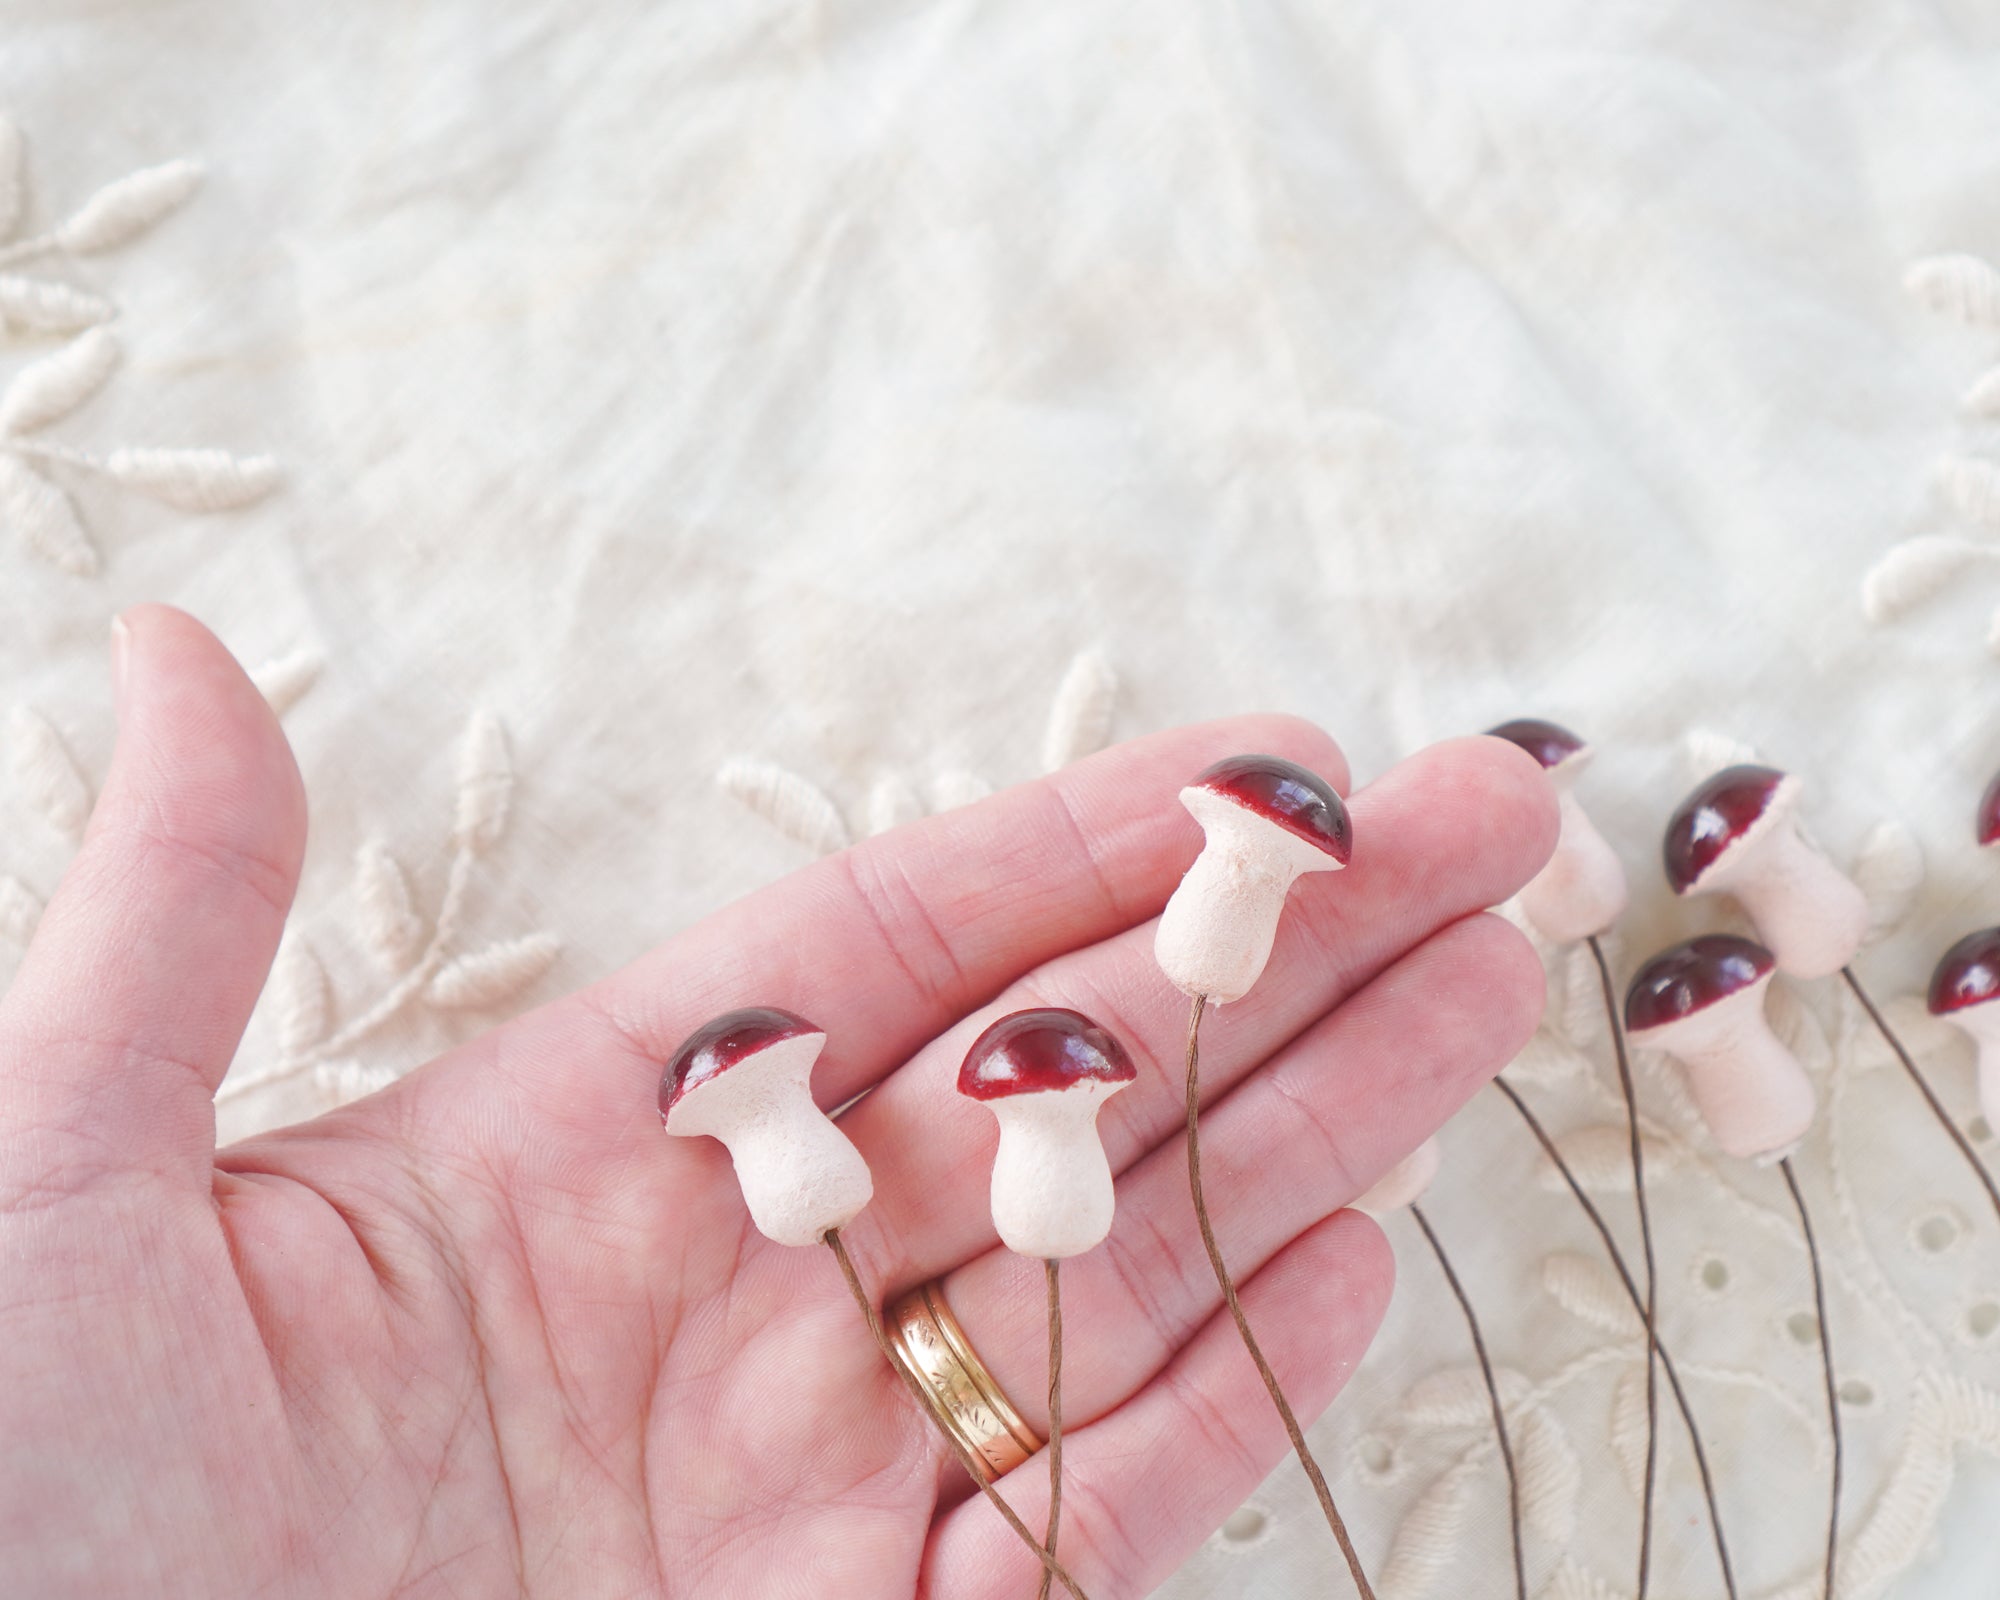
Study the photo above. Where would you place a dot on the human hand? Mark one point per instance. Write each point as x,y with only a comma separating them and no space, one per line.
492,1332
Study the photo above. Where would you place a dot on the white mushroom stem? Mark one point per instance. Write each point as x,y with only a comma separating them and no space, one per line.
1403,1184
1750,1090
1217,931
1981,1024
800,1175
1582,889
1052,1192
1810,914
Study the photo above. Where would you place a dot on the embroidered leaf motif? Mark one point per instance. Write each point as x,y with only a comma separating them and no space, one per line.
485,783
1457,1398
497,973
1983,398
57,384
299,1000
346,1080
1912,572
1546,1062
1890,871
1705,751
891,803
35,306
195,480
1588,1292
1572,1582
796,808
1426,1545
42,515
1583,1020
10,178
1551,1476
20,910
389,922
1960,286
1080,719
1601,1158
284,681
47,772
950,790
1972,487
121,211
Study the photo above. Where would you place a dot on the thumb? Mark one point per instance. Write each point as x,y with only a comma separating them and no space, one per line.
133,997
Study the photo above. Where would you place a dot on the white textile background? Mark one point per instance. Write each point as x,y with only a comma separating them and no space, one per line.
690,405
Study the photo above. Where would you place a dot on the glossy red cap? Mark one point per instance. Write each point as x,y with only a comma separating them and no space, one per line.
1036,1052
1714,817
1548,743
1968,974
1691,977
1989,813
1284,792
728,1041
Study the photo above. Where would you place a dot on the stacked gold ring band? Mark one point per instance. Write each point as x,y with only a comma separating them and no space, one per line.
931,1345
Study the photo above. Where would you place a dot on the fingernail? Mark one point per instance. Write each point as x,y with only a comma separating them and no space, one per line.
121,649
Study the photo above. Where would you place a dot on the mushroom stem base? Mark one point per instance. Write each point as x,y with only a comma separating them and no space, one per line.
1228,1285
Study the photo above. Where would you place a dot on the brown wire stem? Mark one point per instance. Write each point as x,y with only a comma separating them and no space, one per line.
966,1458
1826,1361
1222,1277
1492,1395
1651,1312
1923,1088
1053,1271
1632,1293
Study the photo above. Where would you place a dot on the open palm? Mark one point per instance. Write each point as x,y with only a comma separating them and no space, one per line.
491,1332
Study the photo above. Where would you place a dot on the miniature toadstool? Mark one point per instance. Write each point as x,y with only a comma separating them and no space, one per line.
1738,833
1044,1075
1963,991
1582,889
1702,1002
746,1079
1265,821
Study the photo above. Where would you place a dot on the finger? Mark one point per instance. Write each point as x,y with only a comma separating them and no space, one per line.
889,943
1444,834
146,965
1145,1485
1300,1138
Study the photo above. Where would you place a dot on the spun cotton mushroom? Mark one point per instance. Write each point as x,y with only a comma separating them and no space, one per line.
745,1078
1579,894
1702,1002
1399,1189
1582,890
1045,1075
1738,833
1264,822
1964,989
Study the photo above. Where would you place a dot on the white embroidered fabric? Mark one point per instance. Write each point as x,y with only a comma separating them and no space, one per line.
641,446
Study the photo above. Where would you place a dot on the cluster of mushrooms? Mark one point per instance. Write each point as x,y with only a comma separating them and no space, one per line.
745,1077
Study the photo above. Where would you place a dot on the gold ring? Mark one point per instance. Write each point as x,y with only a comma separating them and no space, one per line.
930,1344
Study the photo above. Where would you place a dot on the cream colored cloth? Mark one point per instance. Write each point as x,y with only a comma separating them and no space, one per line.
629,419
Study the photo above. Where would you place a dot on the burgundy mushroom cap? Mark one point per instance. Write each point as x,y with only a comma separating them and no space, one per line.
1968,974
1284,792
1713,818
1545,741
728,1041
1691,977
1035,1052
1989,813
